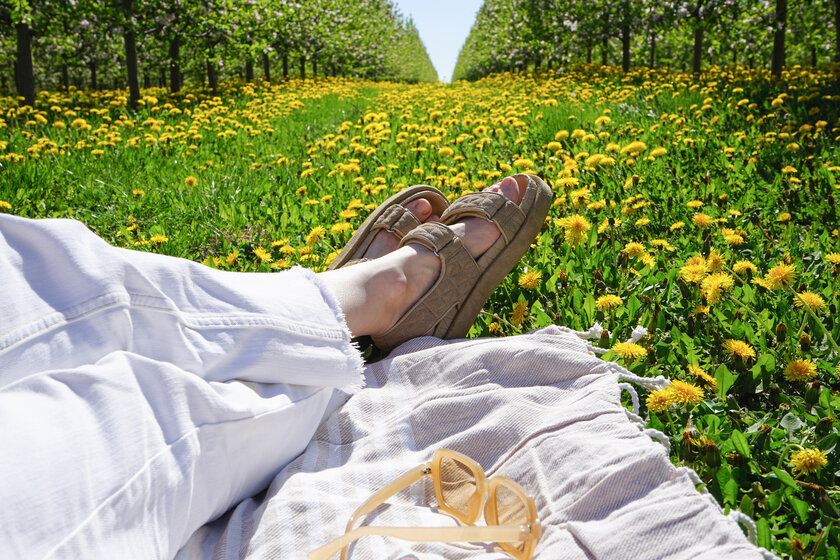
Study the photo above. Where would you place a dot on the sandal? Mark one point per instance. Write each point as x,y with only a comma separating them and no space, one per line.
451,305
392,216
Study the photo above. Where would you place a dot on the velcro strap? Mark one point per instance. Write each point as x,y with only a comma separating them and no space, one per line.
489,205
431,235
397,219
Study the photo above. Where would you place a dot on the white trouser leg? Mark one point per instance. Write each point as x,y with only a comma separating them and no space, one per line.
142,395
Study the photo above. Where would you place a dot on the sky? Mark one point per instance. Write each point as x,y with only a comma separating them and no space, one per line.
443,26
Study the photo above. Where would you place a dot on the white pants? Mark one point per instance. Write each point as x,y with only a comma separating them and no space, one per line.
142,395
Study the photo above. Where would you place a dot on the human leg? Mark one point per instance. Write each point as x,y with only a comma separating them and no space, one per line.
141,395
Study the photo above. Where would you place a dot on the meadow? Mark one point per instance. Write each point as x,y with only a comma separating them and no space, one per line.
701,207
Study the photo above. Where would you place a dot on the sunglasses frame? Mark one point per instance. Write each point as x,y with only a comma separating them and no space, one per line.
484,495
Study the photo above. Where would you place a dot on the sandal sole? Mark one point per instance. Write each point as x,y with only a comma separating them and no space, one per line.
504,262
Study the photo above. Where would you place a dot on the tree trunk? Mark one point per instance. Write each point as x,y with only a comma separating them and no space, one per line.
285,65
625,47
697,59
24,73
249,70
652,56
836,30
302,66
175,64
778,59
266,67
605,40
213,77
131,55
92,66
65,77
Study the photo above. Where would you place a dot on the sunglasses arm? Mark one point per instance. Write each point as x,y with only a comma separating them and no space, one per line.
496,533
379,498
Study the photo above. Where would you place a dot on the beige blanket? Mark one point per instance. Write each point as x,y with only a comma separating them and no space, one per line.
537,408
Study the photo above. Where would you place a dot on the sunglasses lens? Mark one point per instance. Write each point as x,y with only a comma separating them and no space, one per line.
512,510
458,485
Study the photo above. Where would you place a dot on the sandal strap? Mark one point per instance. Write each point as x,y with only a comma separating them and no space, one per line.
397,219
491,206
458,269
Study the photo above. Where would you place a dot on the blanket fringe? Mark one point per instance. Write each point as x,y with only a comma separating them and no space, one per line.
651,384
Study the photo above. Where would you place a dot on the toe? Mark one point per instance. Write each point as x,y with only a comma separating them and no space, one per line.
513,188
421,208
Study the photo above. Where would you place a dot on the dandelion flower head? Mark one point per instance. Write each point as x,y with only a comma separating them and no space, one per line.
809,299
808,461
739,349
530,280
800,370
685,393
629,350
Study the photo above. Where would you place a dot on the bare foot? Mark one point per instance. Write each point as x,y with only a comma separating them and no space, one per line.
421,267
375,294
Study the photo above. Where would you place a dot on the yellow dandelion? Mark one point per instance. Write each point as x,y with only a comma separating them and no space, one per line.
809,299
634,249
744,267
523,163
713,287
685,393
262,254
656,152
190,181
676,225
158,238
347,214
138,192
576,229
714,261
739,349
711,382
833,258
701,220
694,204
734,239
808,461
530,280
783,217
608,301
315,235
629,350
780,275
341,227
693,272
800,370
232,256
5,205
658,400
520,310
788,169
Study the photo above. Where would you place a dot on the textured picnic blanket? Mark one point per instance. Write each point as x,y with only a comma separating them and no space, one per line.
538,408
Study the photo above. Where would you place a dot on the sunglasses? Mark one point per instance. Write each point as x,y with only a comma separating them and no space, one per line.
461,489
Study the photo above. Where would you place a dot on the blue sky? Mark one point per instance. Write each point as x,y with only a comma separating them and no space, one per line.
443,26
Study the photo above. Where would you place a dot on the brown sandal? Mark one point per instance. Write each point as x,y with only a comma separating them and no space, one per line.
451,305
392,216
